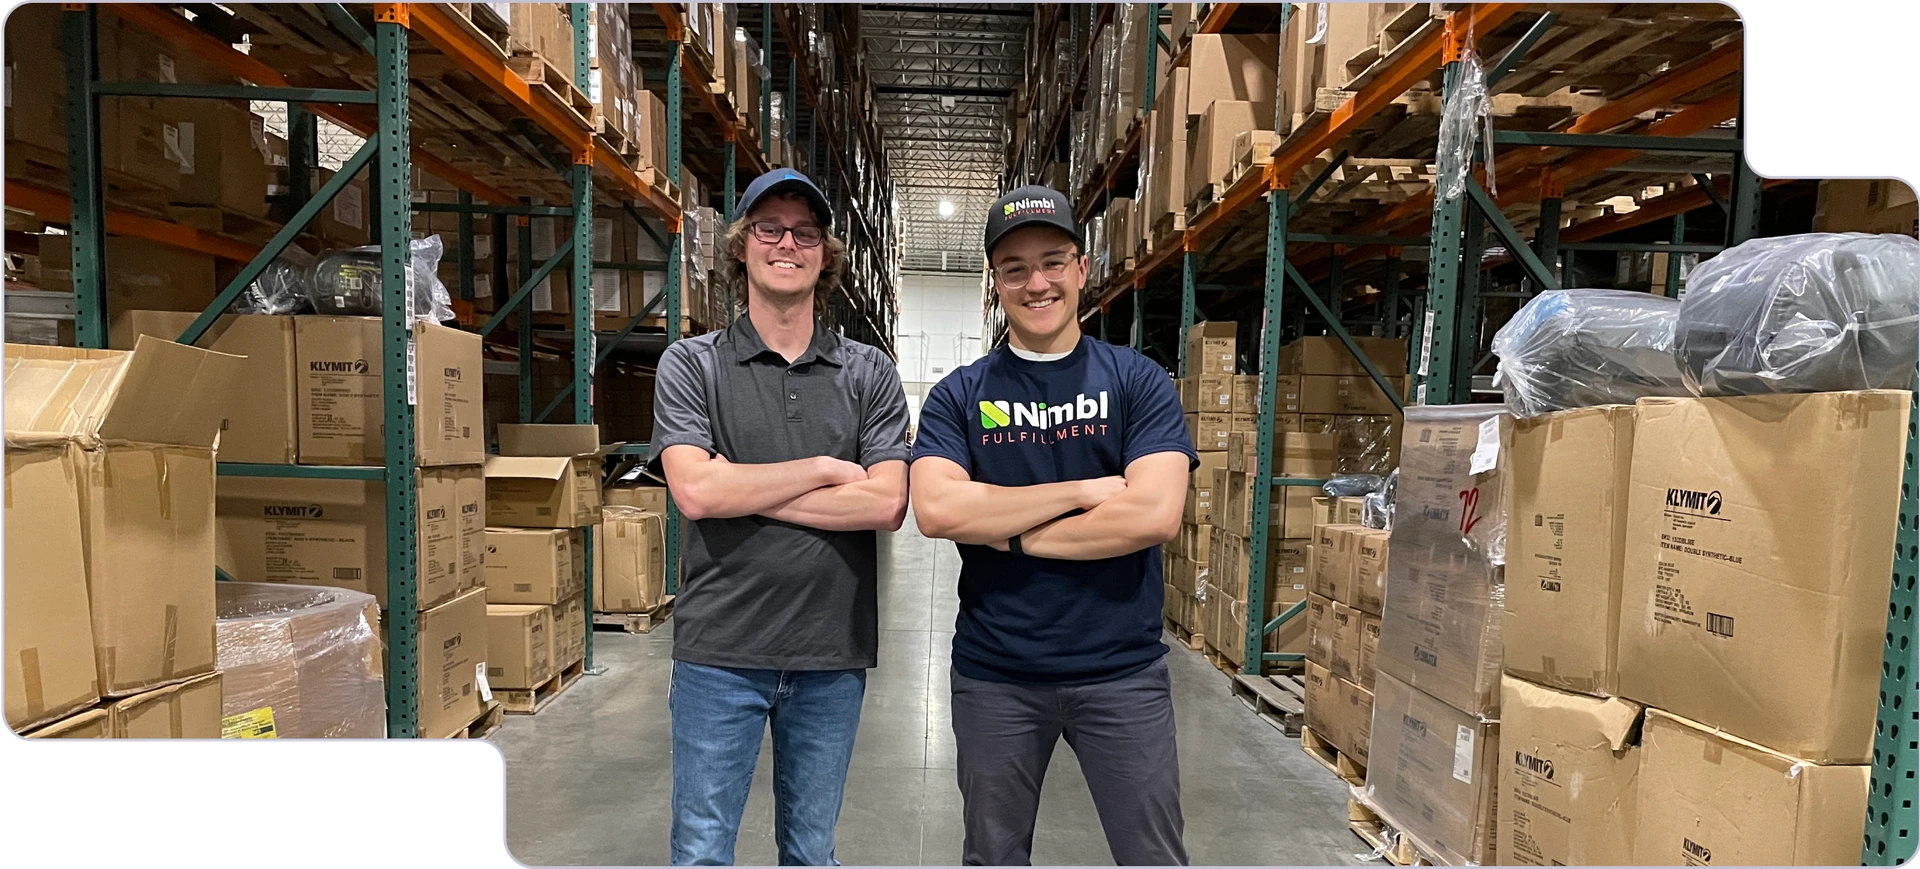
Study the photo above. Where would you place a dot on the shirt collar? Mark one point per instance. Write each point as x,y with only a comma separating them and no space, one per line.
748,346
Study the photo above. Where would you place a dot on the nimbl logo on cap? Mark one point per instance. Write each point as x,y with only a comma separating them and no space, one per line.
1024,205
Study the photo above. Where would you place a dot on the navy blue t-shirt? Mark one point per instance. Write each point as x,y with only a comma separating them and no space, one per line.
1016,422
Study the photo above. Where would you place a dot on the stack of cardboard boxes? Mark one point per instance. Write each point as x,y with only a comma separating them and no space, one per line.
542,490
1323,389
1347,584
630,551
110,508
613,81
1674,634
1178,158
1206,398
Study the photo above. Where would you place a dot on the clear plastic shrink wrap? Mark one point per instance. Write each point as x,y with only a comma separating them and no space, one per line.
1821,312
303,657
284,288
347,282
1581,348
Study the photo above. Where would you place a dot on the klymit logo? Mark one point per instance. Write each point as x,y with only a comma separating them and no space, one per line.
469,509
1691,501
1036,414
1028,205
450,373
1697,854
357,366
437,513
1538,766
293,511
1425,657
1413,725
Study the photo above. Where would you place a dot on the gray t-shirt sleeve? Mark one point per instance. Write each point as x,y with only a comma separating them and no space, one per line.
883,411
680,413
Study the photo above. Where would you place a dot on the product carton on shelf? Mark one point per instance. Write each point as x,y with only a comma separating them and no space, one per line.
1754,593
1211,348
1433,771
145,422
1325,355
546,476
262,426
341,393
519,649
453,661
183,710
50,669
630,573
532,565
1569,777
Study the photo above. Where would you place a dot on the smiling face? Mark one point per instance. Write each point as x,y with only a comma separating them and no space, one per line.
782,271
1041,314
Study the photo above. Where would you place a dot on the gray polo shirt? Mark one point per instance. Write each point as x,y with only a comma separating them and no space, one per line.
759,593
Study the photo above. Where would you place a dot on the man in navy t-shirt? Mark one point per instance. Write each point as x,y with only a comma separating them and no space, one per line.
1059,465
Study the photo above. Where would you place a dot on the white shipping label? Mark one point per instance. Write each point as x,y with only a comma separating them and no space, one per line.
257,129
543,297
1426,345
413,389
482,246
166,70
348,209
1486,451
480,682
606,291
1463,755
483,286
178,144
603,238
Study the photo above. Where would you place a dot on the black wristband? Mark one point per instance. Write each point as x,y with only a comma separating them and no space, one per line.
1013,545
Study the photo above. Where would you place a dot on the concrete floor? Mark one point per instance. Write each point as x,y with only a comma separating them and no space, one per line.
589,779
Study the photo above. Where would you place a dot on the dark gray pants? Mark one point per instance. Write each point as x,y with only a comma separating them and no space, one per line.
1122,732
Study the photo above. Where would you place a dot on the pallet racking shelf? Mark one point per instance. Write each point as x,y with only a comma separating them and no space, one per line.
1583,158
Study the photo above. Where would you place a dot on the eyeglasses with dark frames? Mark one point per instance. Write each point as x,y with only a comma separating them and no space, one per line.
771,232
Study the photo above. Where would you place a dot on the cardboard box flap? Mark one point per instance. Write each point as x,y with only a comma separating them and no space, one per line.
528,467
171,394
55,393
549,440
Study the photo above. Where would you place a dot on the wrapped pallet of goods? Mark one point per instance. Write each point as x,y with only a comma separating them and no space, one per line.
300,662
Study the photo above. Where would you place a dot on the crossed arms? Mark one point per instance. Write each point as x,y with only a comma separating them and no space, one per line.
819,492
1123,514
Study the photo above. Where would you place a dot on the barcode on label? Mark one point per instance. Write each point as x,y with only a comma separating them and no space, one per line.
346,573
1719,624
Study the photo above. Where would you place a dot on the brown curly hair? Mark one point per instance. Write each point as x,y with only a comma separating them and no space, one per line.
733,271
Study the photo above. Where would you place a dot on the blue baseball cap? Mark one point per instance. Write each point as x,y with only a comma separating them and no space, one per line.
786,181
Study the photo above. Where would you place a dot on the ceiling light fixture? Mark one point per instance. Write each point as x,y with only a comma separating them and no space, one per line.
946,208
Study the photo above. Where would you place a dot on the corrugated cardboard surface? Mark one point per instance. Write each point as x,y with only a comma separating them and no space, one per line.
1369,564
50,667
630,575
1319,630
1566,547
1352,715
1432,772
258,426
1758,556
519,650
1344,622
529,566
1321,701
532,492
569,632
549,440
1709,798
340,393
1569,775
1345,394
1211,348
87,724
1440,630
186,710
453,652
1321,354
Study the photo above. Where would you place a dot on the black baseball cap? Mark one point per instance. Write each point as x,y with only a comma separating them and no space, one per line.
1033,205
786,181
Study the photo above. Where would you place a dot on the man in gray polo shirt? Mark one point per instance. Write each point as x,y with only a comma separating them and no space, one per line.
785,444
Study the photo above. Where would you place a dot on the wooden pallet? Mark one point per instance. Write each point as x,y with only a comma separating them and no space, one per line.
1387,841
1221,662
1278,700
1342,765
528,701
484,25
550,82
637,623
483,726
1193,642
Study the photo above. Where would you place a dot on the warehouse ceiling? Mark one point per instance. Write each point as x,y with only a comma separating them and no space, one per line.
942,76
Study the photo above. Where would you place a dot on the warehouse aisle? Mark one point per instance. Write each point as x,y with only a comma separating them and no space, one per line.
588,779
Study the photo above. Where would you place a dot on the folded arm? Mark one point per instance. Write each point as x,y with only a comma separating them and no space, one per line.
1146,514
707,486
947,504
877,503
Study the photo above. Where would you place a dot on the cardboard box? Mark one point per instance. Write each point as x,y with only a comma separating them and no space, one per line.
343,222
531,566
1440,627
1307,455
140,274
1292,518
146,422
630,573
1353,719
1199,507
341,402
1322,394
50,668
547,476
519,650
86,724
1344,624
1324,354
1209,431
1213,393
1165,156
453,660
333,533
1368,562
260,426
649,499
1322,702
1210,157
1291,635
1860,205
1211,348
1288,565
1238,67
220,151
1319,629
1433,772
1569,775
184,710
298,662
1787,812
1566,550
570,632
1350,509
1332,575
1732,612
1369,648
1246,393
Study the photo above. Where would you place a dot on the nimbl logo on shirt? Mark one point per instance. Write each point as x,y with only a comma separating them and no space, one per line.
1068,419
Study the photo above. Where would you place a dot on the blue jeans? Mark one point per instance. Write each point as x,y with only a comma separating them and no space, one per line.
719,715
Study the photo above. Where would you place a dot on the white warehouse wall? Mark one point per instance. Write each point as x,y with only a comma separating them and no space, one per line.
939,330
